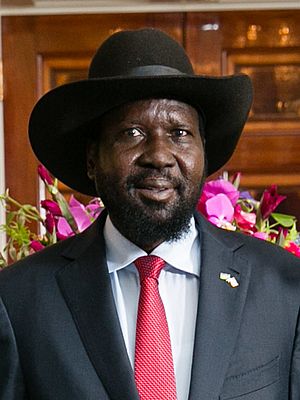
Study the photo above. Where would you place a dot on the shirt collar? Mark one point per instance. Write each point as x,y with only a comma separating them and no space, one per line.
183,254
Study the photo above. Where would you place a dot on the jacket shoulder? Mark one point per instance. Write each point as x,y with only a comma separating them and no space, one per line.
45,263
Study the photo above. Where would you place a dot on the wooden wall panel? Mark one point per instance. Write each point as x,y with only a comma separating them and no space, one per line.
33,47
40,52
263,44
19,96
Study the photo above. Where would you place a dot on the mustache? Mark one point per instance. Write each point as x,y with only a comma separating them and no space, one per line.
137,179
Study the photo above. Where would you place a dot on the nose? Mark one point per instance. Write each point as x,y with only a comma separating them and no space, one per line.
157,153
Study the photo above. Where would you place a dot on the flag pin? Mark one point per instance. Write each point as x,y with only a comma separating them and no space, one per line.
231,280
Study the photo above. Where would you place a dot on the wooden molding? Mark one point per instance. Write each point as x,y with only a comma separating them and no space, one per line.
1,81
55,70
16,3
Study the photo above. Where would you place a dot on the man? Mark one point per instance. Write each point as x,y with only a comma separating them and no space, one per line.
86,319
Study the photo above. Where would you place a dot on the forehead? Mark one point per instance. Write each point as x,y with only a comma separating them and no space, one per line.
168,110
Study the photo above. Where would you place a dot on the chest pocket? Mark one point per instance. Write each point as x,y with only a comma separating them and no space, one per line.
250,381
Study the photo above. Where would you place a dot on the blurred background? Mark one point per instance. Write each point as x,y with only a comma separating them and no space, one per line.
47,43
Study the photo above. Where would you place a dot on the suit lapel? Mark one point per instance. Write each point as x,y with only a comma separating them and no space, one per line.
219,313
85,285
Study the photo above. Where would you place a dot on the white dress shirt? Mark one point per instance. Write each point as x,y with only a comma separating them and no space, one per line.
178,287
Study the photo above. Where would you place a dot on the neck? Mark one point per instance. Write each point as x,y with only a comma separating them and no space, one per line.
148,247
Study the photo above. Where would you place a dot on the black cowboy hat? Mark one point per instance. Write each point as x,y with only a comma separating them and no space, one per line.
128,66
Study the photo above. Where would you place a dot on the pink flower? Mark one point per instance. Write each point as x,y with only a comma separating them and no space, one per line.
270,201
84,215
49,222
80,214
52,207
94,208
245,220
219,211
44,175
213,188
63,229
261,235
292,247
35,245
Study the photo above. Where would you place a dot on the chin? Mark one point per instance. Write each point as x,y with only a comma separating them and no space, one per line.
158,212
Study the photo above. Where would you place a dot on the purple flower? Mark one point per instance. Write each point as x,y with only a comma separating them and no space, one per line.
52,207
244,220
270,201
80,214
84,215
49,222
219,211
246,195
261,235
63,229
213,188
35,245
44,175
94,208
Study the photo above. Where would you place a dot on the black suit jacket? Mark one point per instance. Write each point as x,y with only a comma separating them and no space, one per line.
60,337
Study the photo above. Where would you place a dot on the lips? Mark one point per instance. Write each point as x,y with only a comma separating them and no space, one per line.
156,189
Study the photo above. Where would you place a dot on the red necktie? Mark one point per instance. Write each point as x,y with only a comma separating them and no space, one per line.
154,371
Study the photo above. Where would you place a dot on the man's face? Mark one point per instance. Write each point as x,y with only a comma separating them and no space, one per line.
148,167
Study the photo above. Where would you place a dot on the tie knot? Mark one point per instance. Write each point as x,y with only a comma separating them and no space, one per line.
149,266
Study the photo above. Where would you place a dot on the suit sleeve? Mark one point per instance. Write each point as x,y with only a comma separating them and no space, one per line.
295,371
11,378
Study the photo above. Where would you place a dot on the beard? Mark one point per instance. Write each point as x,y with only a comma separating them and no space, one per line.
148,222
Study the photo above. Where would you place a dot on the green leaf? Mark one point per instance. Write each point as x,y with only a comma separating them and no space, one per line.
10,216
3,262
286,221
12,253
237,181
281,239
64,206
293,233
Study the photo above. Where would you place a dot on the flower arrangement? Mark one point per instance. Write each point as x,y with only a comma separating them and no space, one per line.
221,202
62,219
225,206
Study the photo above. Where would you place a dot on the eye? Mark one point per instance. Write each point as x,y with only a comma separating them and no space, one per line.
134,132
180,133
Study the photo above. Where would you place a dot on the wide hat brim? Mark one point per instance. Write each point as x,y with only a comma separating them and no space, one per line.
58,126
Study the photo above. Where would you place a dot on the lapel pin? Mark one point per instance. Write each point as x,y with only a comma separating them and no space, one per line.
231,280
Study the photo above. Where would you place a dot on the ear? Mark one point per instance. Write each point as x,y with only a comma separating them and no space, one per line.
91,158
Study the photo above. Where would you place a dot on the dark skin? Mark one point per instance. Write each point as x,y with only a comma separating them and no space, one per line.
153,153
